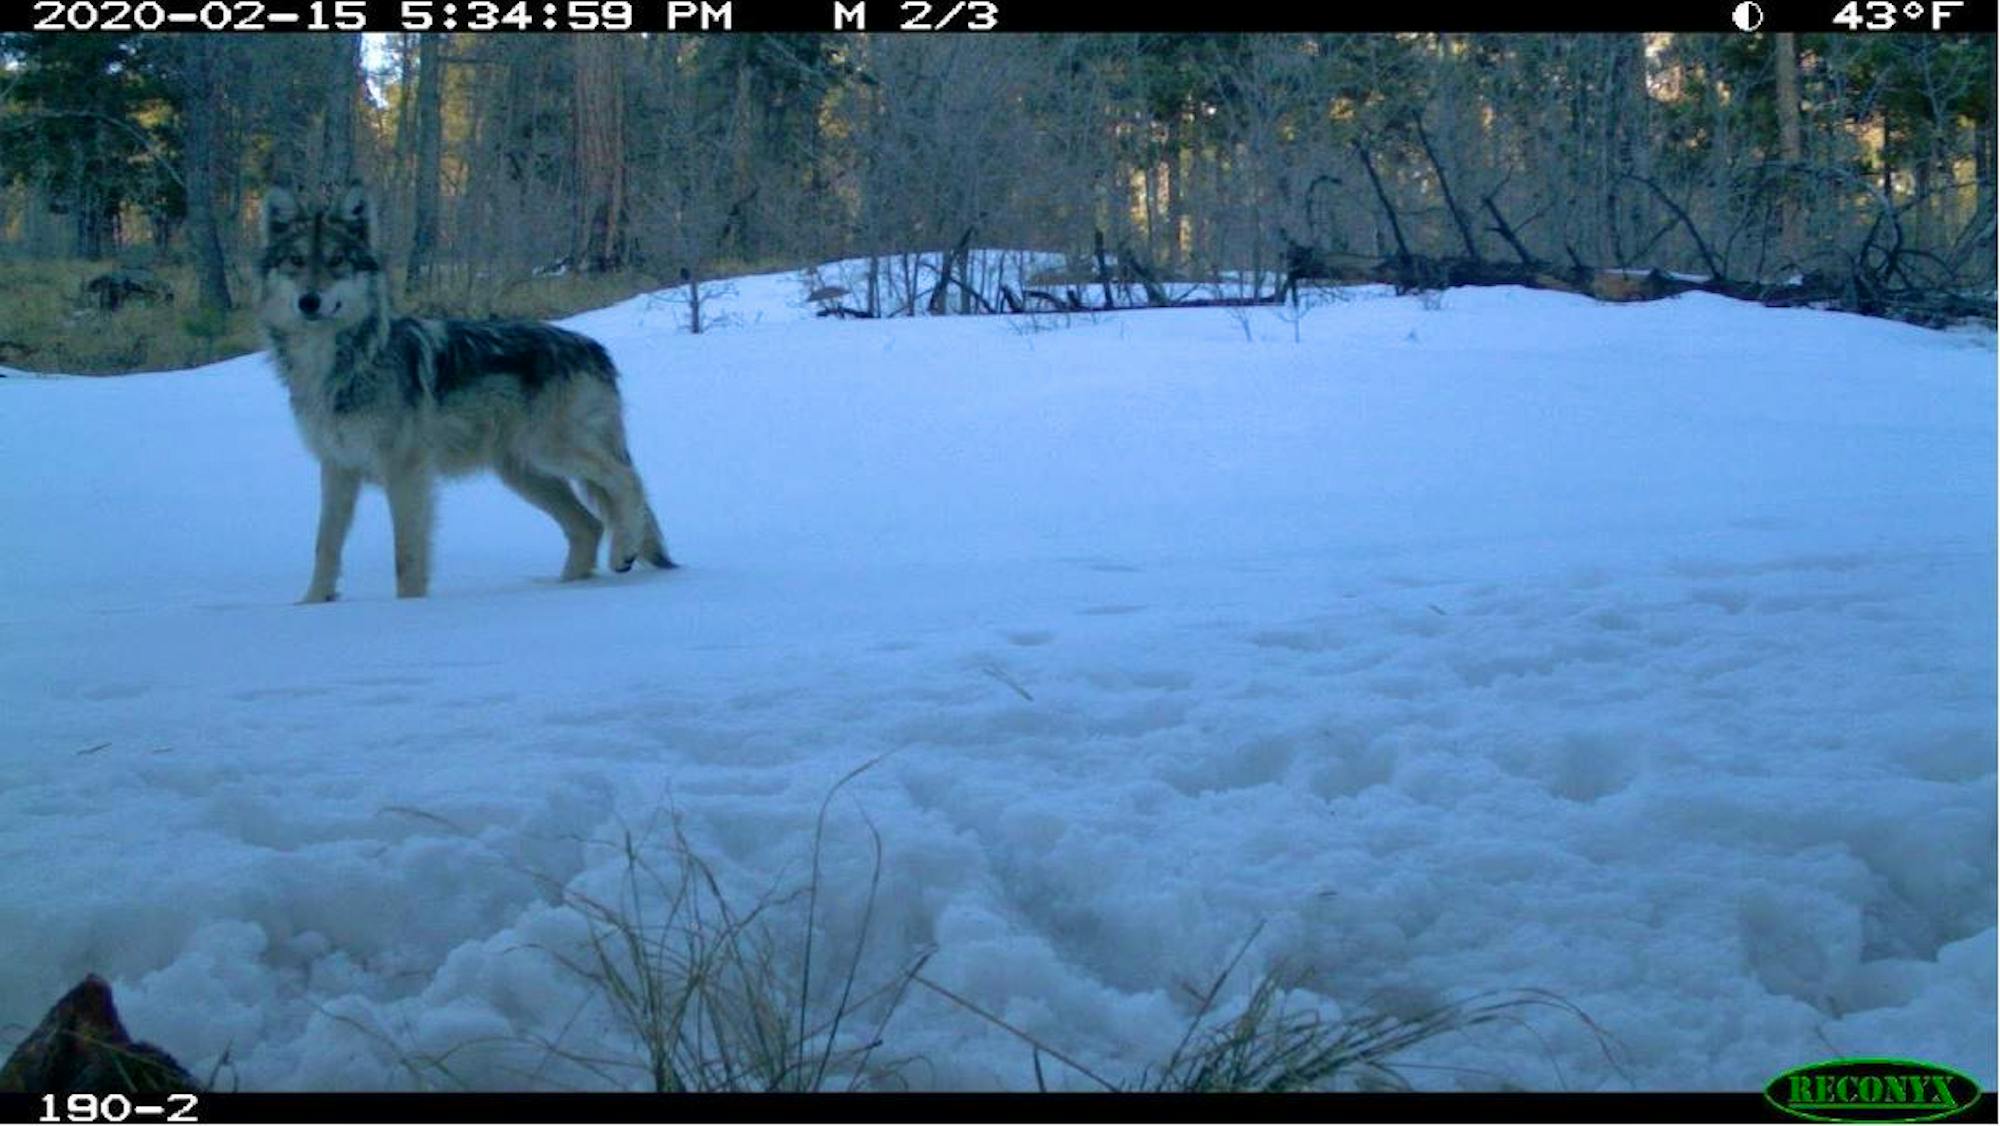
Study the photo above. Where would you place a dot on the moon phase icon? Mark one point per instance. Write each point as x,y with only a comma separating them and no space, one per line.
1747,16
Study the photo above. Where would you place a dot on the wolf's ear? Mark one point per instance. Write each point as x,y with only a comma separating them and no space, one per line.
281,210
355,211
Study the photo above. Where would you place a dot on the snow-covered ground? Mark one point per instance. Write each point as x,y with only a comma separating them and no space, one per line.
1644,654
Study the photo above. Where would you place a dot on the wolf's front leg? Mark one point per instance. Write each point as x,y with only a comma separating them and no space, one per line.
410,495
337,490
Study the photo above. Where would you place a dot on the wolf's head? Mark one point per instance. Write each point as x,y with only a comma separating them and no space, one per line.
319,270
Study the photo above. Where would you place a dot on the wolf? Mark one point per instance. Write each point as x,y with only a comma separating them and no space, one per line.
400,401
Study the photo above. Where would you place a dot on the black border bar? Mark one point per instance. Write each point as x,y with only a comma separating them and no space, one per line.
1047,16
1637,1107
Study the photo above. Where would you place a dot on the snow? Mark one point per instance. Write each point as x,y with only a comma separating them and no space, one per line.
1643,654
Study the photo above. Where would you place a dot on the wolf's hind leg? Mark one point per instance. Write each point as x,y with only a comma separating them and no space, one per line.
617,516
552,495
652,546
595,454
645,541
635,534
337,491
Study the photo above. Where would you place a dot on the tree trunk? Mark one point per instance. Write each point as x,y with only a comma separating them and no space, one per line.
600,151
430,137
289,159
1791,148
1635,143
343,90
201,107
742,165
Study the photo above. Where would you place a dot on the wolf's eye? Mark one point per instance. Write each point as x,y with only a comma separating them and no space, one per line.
336,262
295,261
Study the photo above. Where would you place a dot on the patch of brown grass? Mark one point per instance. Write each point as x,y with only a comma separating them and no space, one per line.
54,326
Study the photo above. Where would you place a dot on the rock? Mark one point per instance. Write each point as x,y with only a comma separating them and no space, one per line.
82,1046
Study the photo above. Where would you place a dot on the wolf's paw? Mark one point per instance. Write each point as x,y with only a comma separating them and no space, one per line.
314,597
658,558
623,564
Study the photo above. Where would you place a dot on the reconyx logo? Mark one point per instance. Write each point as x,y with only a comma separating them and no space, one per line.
1872,1090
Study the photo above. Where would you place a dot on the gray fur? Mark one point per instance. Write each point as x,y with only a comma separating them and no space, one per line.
398,401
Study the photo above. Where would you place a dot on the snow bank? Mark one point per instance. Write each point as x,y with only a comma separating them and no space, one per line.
1643,654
